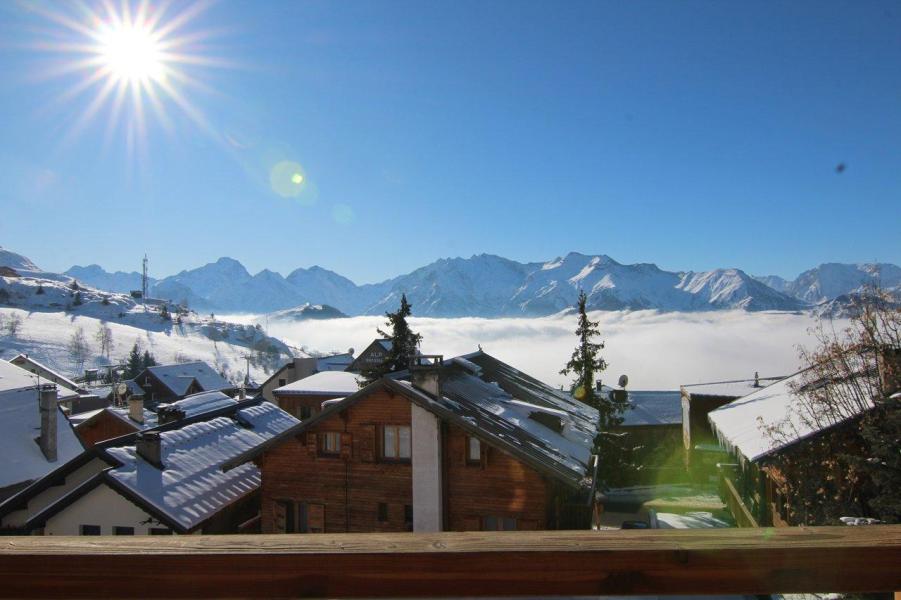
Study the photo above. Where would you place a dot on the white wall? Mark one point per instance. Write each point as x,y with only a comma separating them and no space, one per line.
101,506
48,496
426,459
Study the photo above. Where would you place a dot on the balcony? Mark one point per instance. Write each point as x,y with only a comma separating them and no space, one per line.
537,563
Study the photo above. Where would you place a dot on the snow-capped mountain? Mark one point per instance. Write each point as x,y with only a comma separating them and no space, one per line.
307,312
120,281
493,286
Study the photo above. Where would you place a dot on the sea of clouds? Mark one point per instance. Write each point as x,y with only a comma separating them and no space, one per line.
658,351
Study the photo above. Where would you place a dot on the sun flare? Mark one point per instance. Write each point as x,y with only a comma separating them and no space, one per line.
132,60
132,52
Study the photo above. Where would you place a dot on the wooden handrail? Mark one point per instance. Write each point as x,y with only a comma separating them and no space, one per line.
538,563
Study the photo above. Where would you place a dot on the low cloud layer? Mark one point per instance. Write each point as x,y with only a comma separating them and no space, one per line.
658,351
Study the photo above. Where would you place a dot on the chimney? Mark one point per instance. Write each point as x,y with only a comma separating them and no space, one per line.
47,406
168,413
756,379
148,447
425,370
136,409
242,392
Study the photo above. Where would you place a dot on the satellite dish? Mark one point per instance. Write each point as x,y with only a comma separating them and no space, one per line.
350,351
121,389
623,381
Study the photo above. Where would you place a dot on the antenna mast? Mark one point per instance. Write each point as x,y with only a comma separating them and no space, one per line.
144,283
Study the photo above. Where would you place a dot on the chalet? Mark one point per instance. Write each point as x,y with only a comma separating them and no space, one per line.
113,421
168,383
759,430
372,356
653,424
73,398
698,399
163,480
304,397
467,444
35,435
299,368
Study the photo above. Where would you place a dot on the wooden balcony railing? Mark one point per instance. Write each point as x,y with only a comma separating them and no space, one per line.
571,563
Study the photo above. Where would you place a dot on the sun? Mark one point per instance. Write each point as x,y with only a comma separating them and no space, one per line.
131,61
132,52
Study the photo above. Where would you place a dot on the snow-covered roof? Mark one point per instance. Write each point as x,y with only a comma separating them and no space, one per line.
192,406
730,389
692,520
79,418
335,362
325,383
653,408
178,377
28,363
20,426
13,377
191,487
746,425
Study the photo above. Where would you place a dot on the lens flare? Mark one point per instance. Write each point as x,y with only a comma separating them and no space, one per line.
286,179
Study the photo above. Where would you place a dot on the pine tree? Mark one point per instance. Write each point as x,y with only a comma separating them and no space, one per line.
148,360
404,343
586,362
134,364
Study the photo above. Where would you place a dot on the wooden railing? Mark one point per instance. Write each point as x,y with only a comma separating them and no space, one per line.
735,504
571,563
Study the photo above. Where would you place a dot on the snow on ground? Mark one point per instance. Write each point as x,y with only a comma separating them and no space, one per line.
45,336
658,351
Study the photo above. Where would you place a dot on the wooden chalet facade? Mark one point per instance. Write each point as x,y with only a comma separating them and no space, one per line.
304,398
427,455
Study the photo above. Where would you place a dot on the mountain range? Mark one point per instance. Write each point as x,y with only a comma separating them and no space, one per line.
492,286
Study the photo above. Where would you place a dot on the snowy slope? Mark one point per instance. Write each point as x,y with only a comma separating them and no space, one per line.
51,310
831,280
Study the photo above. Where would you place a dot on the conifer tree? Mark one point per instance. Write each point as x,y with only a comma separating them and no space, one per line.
404,343
586,362
148,360
134,364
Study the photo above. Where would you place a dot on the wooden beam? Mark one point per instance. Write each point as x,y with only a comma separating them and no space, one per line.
539,563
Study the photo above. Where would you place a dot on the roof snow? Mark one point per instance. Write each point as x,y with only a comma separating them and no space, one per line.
191,487
745,425
13,377
730,389
20,426
178,377
325,383
653,408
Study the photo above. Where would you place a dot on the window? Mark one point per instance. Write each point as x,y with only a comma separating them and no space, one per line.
282,382
284,516
123,530
396,442
383,512
330,443
305,412
408,516
473,451
89,530
160,531
498,524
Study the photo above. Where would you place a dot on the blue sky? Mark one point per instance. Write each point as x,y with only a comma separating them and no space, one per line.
690,134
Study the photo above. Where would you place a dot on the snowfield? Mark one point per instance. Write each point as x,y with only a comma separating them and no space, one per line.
658,351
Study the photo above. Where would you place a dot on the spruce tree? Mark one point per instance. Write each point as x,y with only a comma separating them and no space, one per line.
134,364
148,360
586,362
404,343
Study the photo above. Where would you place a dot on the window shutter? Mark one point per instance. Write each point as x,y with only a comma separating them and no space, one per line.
346,446
367,443
280,516
472,524
316,516
311,444
483,455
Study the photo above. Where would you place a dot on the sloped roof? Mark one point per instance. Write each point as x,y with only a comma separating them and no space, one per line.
335,362
178,377
332,383
192,406
653,408
60,379
735,388
20,426
744,424
191,487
